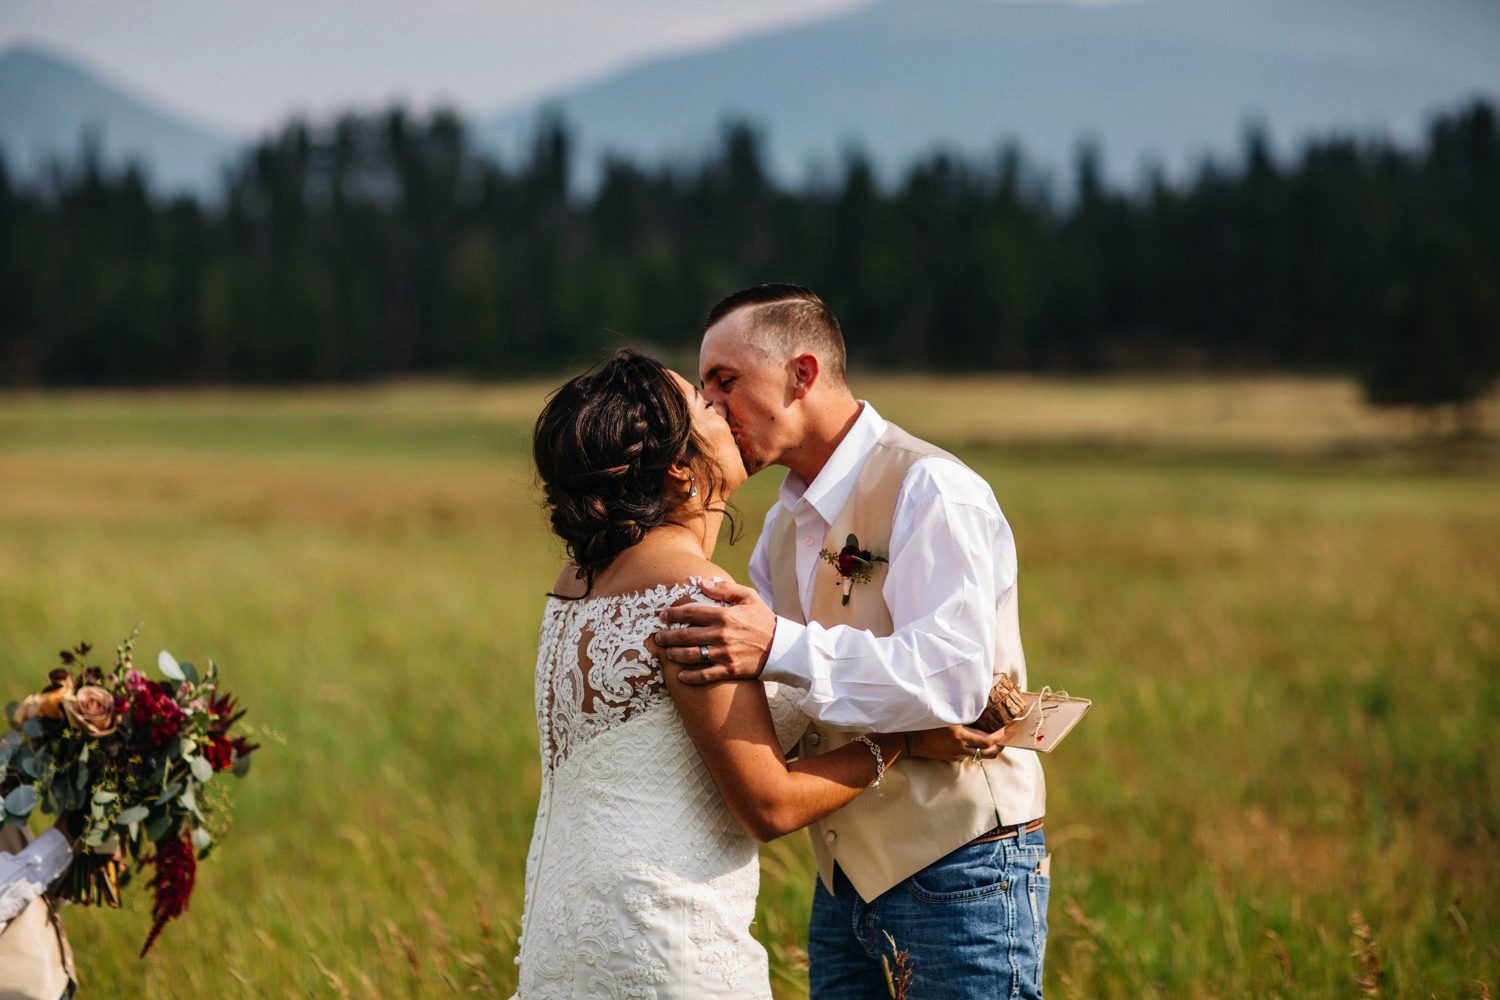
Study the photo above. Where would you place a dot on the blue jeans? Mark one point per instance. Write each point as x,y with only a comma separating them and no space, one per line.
974,922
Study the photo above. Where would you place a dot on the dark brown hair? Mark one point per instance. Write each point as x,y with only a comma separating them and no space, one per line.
603,444
788,318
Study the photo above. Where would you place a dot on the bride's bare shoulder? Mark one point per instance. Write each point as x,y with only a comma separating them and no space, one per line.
569,583
651,567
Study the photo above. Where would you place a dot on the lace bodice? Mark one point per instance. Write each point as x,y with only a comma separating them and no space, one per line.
594,671
639,883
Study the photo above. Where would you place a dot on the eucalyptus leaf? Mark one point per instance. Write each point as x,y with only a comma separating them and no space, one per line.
158,827
11,819
132,815
202,769
170,792
31,766
35,728
81,776
242,765
189,672
6,750
10,709
202,838
168,666
189,800
67,797
21,800
11,737
103,796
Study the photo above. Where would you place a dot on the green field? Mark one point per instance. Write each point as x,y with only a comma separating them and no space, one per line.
1286,608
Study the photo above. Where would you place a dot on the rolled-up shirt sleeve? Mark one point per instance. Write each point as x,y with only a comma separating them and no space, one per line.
952,558
26,874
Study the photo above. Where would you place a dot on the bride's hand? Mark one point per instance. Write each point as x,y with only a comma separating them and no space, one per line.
955,743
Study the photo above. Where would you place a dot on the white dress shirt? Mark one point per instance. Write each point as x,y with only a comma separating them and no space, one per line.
26,874
952,558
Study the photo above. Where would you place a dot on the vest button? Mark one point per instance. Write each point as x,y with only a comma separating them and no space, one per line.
829,836
814,739
807,540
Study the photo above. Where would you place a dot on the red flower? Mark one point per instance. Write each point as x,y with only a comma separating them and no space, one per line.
854,564
176,869
153,711
219,753
224,712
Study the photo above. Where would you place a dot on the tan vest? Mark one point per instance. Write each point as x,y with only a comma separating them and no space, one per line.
924,809
35,960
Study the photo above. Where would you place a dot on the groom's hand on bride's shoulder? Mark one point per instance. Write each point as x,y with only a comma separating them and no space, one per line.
719,643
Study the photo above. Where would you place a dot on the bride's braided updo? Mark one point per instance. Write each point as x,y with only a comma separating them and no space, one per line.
603,444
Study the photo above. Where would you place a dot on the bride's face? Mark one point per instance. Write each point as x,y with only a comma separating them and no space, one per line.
713,430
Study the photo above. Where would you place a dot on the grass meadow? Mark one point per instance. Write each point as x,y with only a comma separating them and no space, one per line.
1286,609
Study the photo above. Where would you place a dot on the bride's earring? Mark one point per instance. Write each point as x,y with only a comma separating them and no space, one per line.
692,486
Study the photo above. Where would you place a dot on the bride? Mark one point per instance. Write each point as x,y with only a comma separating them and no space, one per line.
642,873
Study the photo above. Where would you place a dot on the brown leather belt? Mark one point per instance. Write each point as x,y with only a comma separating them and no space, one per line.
1006,832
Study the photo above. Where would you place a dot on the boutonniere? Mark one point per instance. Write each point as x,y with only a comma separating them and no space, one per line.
853,563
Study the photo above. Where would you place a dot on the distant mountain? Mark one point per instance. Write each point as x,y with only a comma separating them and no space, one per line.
48,106
1149,80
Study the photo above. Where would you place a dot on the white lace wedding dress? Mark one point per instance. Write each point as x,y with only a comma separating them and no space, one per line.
640,884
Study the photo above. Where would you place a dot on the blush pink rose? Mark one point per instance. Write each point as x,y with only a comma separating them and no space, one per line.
92,709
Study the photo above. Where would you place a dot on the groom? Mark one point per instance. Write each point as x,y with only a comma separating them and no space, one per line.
947,858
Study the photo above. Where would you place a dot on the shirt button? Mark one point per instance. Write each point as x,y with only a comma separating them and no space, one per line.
829,836
807,540
814,739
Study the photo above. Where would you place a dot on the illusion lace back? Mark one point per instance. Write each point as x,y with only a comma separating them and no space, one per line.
640,884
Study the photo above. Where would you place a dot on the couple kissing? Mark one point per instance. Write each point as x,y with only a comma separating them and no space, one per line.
684,717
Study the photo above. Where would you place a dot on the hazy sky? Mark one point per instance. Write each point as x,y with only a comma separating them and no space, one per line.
244,65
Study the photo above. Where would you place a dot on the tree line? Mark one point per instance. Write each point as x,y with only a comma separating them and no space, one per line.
384,243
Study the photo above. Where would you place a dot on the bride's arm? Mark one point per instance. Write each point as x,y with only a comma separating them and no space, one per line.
731,726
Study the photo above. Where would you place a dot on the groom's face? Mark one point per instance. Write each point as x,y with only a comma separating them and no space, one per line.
750,388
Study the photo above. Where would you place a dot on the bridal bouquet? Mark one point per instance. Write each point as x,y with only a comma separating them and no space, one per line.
130,762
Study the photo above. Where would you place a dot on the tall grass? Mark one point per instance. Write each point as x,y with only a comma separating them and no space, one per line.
1287,786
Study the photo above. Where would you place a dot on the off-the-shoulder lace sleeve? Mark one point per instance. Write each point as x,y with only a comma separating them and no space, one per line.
594,669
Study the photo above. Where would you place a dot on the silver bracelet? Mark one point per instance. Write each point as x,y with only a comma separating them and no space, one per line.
879,759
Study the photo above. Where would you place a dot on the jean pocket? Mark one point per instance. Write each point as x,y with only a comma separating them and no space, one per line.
964,875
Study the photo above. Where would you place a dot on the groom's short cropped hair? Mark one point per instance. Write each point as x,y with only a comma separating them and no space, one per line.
788,320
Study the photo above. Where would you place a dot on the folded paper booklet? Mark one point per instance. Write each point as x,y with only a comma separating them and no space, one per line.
1033,720
1059,714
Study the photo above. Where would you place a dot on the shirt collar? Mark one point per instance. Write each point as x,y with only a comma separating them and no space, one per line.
830,490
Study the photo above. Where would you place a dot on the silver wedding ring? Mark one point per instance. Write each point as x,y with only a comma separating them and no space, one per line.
703,653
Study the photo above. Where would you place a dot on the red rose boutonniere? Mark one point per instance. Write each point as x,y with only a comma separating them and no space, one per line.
853,563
